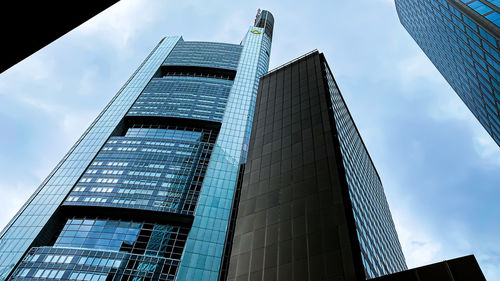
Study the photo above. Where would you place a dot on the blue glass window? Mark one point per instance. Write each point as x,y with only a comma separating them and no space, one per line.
207,54
132,237
150,167
184,97
494,18
480,7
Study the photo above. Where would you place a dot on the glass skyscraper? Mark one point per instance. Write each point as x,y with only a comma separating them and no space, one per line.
312,205
146,193
461,38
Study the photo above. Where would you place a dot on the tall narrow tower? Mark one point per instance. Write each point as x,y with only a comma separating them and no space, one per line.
146,193
461,38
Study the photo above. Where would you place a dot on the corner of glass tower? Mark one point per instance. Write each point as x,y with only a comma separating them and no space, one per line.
462,39
147,191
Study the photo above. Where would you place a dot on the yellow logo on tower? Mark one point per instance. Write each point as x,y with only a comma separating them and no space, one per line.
255,31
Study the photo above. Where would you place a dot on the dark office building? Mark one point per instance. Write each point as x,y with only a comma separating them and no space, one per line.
312,206
461,39
146,193
460,269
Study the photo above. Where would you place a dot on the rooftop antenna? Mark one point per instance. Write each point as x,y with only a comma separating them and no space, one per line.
256,17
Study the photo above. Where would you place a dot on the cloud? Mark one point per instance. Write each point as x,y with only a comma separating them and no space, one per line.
419,246
447,106
417,68
36,69
122,21
74,125
40,104
388,2
486,148
489,262
12,197
87,83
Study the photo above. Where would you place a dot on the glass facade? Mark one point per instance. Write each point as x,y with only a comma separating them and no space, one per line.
149,168
207,54
381,252
184,97
201,259
461,38
146,192
486,8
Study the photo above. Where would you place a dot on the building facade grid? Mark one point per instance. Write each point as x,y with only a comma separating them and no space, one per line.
20,233
151,195
464,47
300,191
380,249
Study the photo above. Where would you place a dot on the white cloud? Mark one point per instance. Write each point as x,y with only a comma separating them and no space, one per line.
416,68
36,69
388,2
40,104
74,124
11,199
489,263
486,148
120,22
88,81
419,247
231,31
446,105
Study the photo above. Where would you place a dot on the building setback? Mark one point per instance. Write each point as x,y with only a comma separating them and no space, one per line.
464,268
312,206
461,38
146,193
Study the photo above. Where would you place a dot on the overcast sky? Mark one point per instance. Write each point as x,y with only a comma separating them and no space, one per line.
439,167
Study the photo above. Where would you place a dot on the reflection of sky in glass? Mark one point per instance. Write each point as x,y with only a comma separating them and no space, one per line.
205,54
119,236
98,234
199,98
164,133
465,52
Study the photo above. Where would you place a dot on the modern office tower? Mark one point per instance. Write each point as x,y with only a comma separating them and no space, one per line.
312,205
146,193
461,39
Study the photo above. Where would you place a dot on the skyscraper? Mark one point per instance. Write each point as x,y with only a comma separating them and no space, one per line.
461,39
146,193
312,205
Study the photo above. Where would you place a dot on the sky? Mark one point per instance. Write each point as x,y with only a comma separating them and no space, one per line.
439,167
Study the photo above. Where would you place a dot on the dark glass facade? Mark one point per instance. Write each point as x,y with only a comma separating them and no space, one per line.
461,38
146,193
312,206
459,269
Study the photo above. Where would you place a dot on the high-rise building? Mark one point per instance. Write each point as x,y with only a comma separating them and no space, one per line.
146,193
461,39
312,205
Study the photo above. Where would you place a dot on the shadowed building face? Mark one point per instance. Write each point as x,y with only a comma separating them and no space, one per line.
312,205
